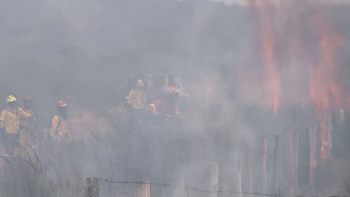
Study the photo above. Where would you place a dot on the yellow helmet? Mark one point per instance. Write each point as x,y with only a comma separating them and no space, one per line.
140,83
11,99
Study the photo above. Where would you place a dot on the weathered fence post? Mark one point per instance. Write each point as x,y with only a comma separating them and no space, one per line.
264,166
290,167
185,192
143,189
326,138
312,154
92,187
296,135
248,170
181,191
214,179
237,177
275,176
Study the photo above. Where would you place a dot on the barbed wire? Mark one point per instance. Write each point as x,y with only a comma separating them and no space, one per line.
206,191
118,182
114,187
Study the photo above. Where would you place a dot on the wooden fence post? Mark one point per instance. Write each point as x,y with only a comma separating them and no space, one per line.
181,192
264,166
312,154
92,187
296,135
214,179
237,177
248,169
290,167
143,189
185,192
275,175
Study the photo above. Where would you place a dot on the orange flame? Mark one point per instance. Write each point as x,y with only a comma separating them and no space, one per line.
325,92
272,83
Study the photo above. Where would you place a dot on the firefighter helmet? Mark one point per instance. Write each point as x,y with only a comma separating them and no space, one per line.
140,83
11,99
173,90
61,104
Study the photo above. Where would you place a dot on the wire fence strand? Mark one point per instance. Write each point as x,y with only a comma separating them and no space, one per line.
205,191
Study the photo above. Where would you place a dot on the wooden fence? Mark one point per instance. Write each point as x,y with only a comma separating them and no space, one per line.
279,169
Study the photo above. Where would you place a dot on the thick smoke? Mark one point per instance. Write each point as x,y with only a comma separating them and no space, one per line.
84,51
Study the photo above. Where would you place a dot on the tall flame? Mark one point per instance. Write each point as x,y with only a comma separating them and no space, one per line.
271,80
324,89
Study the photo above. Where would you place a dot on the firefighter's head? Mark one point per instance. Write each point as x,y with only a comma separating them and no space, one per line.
27,102
172,94
61,107
140,83
11,101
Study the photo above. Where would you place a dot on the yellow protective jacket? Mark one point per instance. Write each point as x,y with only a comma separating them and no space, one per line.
26,118
59,127
9,120
137,98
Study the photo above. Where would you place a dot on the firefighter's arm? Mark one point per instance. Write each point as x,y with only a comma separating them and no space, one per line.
23,114
2,119
54,125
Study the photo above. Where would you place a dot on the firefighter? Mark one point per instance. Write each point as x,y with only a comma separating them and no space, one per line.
166,106
59,123
137,100
26,121
9,125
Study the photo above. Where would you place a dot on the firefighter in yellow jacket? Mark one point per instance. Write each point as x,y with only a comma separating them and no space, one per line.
136,102
26,122
137,98
9,125
59,123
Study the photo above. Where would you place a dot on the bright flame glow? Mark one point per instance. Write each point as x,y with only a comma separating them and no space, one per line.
324,89
271,81
310,78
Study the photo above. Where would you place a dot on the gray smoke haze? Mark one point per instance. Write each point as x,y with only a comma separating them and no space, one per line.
83,52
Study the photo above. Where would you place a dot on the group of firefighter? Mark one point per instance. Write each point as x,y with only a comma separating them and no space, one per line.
17,124
164,105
